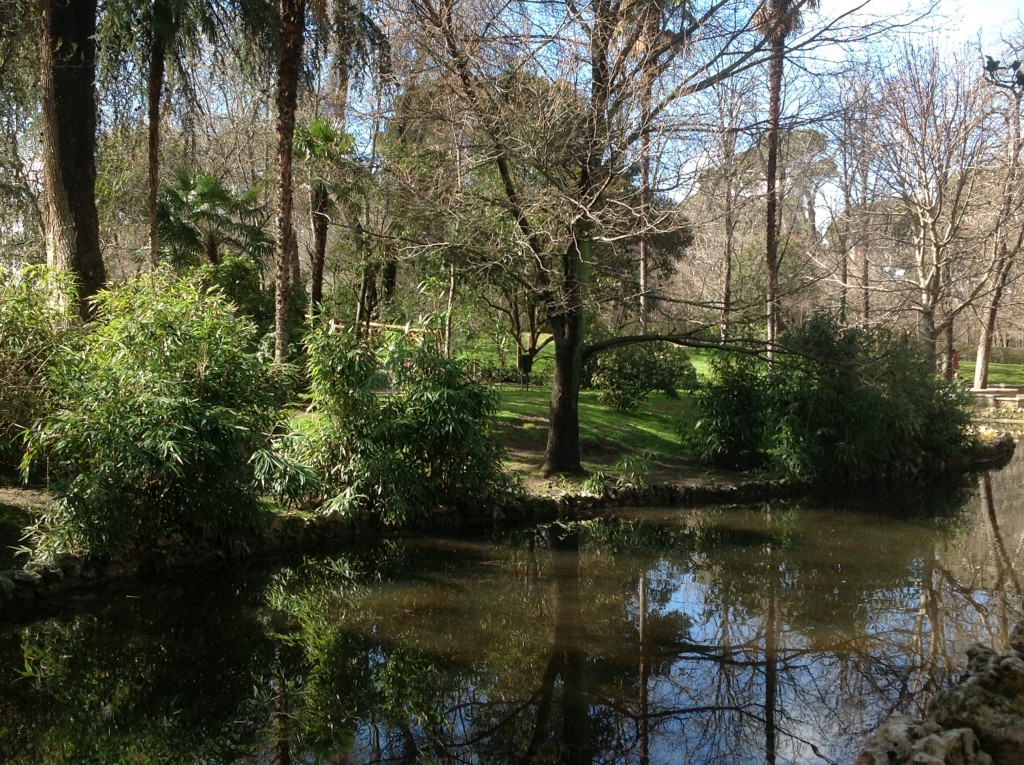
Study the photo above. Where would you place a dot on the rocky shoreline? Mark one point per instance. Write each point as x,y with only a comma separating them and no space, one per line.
979,721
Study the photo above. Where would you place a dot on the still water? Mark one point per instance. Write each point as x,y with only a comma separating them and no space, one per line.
777,633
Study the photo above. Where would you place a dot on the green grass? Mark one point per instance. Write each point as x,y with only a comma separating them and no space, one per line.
606,436
998,373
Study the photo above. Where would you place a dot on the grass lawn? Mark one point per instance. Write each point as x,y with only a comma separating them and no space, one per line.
606,436
998,374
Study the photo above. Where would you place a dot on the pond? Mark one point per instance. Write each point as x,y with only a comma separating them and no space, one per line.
778,633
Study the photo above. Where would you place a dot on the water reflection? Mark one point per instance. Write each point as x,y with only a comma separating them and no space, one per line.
769,634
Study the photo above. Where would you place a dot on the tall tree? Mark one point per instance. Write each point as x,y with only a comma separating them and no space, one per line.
293,22
1007,238
321,146
67,52
930,130
777,20
565,152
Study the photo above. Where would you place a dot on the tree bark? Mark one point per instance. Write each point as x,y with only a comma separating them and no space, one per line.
154,88
290,58
68,85
772,194
562,453
321,218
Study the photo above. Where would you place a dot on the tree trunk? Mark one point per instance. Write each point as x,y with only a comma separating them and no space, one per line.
727,260
67,83
562,454
645,212
929,338
772,195
321,204
449,312
154,87
1003,255
289,61
865,308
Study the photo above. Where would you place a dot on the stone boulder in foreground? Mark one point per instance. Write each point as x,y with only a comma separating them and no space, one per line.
980,721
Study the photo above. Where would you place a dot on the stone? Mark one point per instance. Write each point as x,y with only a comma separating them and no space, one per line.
998,725
902,740
6,588
29,578
70,564
1017,639
50,572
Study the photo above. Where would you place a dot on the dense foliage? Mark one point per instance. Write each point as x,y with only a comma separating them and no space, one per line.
627,374
841,404
158,411
34,320
395,429
239,278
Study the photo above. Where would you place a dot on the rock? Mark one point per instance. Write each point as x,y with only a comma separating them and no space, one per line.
1017,639
29,578
980,721
6,588
993,718
70,564
902,740
50,572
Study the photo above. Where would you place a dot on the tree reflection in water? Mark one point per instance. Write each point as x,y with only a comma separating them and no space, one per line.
746,635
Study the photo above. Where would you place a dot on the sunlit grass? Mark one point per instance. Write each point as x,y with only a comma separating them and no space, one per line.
522,423
998,373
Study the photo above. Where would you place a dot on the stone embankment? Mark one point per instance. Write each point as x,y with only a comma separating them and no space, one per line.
980,721
24,590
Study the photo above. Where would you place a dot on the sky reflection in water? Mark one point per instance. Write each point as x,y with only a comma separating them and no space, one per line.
731,635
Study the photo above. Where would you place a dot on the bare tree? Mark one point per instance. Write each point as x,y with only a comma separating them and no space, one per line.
1007,225
930,134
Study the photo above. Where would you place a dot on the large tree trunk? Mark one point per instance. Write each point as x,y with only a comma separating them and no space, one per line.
292,28
772,193
67,82
562,454
565,319
154,87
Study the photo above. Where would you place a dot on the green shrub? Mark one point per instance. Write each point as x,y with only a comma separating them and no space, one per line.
35,319
162,405
730,430
396,430
840,404
239,278
627,374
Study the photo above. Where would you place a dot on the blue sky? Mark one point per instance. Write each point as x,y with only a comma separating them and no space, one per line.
994,18
961,21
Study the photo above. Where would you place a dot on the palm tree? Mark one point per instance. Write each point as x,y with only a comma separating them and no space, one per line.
198,217
157,33
354,34
776,20
289,64
322,147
